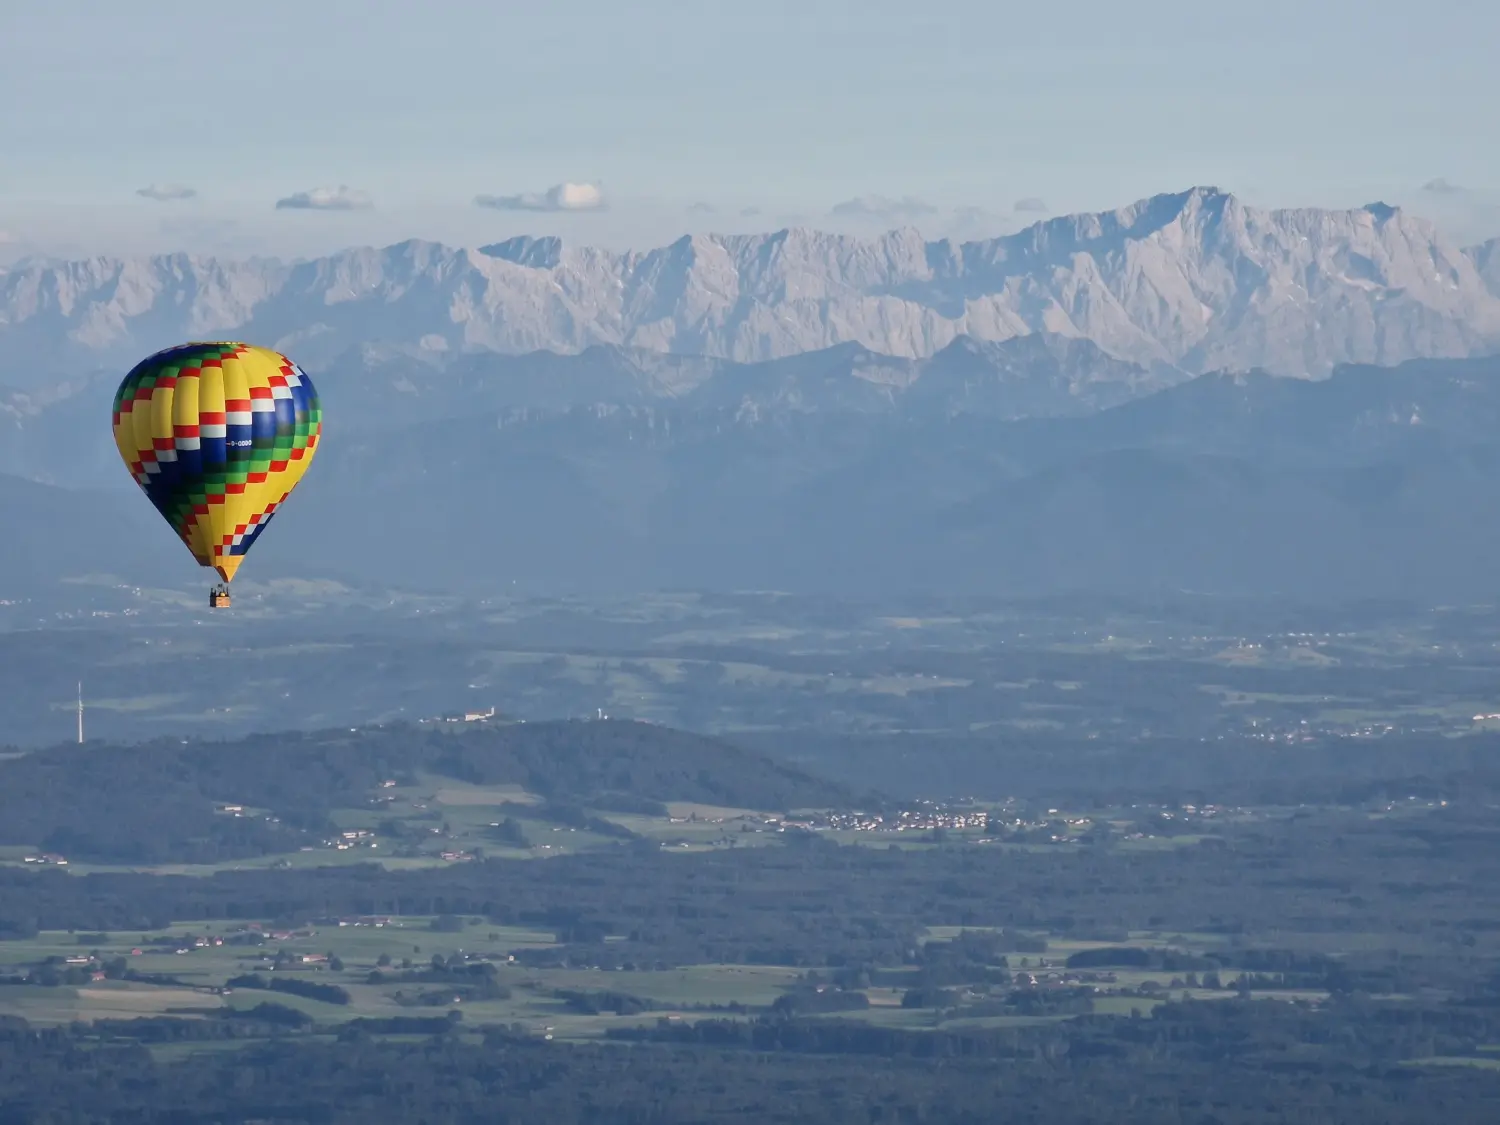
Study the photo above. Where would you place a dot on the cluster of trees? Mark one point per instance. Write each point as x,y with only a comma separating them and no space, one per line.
1350,1031
449,978
592,1002
292,986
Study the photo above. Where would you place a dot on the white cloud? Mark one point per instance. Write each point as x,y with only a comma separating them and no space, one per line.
341,198
750,212
880,207
702,209
166,193
969,223
1030,203
866,213
1471,216
558,197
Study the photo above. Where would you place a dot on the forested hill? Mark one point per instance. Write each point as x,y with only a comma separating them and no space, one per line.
158,800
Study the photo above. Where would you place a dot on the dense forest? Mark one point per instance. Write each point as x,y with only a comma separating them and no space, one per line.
1251,1063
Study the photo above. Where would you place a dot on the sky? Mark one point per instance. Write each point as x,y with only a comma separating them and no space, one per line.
295,127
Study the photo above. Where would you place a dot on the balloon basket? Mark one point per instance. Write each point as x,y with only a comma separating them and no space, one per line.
218,597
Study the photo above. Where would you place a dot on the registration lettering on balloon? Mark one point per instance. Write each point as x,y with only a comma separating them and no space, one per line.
217,435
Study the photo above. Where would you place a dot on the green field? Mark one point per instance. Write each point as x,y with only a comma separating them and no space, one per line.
200,967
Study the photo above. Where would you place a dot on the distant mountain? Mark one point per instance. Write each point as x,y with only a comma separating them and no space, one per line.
1196,279
1036,375
1357,415
1140,521
1372,482
58,433
1486,258
55,533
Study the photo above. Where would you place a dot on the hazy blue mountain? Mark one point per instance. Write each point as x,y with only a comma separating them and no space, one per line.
53,534
59,433
1142,520
1373,481
1486,258
1195,279
1036,375
1358,413
1039,375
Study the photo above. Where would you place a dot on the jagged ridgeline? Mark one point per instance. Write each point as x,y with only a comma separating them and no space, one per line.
1196,279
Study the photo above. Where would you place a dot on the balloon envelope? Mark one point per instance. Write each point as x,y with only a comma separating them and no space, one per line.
217,435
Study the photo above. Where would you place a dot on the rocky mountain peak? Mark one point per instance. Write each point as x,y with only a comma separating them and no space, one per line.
1196,279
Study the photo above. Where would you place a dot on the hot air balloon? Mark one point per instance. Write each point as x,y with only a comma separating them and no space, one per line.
217,435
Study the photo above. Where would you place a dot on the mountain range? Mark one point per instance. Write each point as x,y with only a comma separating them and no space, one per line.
1195,280
1027,376
1373,482
51,434
1187,393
